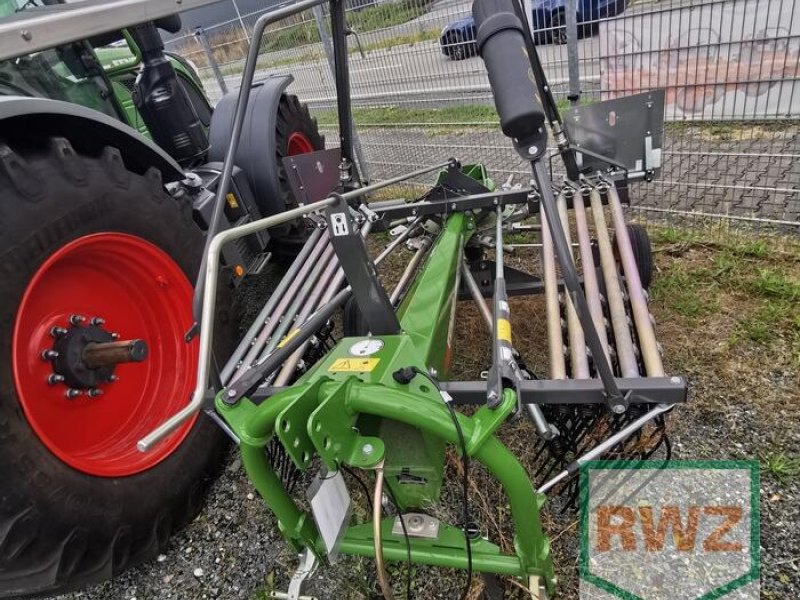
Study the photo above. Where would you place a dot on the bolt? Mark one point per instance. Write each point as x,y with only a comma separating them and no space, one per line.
95,392
26,35
533,150
72,393
113,377
231,393
76,319
58,331
114,336
49,355
675,380
453,205
367,449
433,372
97,321
618,408
54,378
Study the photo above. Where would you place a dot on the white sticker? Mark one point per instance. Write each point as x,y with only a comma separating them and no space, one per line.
339,223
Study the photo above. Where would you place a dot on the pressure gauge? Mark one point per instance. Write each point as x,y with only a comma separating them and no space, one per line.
366,347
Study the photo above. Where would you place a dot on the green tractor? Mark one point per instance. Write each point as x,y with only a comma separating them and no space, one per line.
109,157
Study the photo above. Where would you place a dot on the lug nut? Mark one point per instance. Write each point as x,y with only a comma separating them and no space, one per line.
76,319
115,336
49,354
97,321
113,377
58,331
95,392
72,393
54,378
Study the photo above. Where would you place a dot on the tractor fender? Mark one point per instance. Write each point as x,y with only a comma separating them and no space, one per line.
256,152
29,120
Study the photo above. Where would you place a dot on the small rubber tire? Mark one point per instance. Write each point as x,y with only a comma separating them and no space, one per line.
642,251
458,50
62,528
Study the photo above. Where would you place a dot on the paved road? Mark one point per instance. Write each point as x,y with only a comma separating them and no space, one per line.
416,72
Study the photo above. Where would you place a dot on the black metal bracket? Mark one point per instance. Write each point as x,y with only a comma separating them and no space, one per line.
359,268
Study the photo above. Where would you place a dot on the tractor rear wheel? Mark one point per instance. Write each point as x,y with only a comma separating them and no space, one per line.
92,252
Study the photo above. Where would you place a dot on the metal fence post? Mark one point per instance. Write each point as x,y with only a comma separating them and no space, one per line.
327,45
571,9
200,34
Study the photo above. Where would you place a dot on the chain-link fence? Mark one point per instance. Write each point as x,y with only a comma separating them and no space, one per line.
730,68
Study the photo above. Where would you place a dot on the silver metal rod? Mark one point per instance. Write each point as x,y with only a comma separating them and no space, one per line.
577,342
269,306
331,281
274,318
641,314
605,446
325,284
555,343
208,312
387,182
616,305
411,268
590,284
399,239
288,317
475,292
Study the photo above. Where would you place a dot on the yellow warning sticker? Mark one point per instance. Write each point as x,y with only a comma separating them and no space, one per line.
232,200
285,340
504,330
353,365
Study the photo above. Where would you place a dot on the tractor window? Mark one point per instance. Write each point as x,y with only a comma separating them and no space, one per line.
69,73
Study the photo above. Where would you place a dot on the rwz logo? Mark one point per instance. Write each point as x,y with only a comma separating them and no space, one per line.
677,530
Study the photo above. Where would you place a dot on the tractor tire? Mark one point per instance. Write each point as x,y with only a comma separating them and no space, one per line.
296,132
83,235
642,252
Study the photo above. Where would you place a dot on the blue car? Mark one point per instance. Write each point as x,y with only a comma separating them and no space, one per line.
457,39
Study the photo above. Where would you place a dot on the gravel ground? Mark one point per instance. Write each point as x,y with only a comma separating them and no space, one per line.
745,403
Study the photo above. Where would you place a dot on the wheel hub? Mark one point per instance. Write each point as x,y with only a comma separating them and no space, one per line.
64,361
85,356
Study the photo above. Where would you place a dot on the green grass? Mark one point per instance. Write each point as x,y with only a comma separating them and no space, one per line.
460,114
406,39
686,292
772,283
386,15
452,117
781,467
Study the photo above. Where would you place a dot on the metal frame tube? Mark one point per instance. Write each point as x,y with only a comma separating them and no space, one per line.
641,314
475,292
303,296
408,273
590,284
267,332
327,284
616,305
555,342
572,286
577,341
269,306
605,446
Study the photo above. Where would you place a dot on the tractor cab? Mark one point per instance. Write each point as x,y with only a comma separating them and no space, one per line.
101,73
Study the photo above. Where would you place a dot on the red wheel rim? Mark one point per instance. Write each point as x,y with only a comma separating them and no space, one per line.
141,293
299,144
